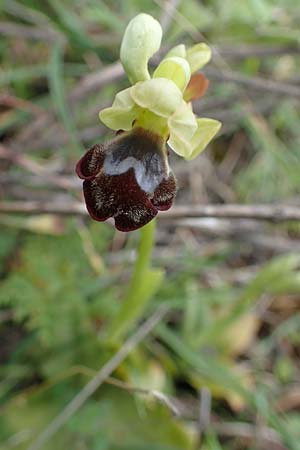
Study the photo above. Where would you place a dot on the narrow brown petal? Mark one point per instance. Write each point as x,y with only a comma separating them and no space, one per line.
196,88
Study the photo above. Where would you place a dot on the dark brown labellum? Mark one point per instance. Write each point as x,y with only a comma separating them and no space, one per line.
128,179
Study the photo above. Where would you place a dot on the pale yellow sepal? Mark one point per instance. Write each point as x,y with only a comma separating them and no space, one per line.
122,113
176,69
198,56
179,50
182,126
207,129
158,95
141,40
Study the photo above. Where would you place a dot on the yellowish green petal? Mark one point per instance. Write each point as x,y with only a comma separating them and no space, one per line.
179,50
207,129
176,69
123,100
198,56
122,112
182,126
158,95
141,40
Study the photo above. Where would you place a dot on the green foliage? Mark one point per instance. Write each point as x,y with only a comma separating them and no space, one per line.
234,317
110,421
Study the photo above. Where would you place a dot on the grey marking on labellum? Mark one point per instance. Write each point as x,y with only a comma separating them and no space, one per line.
147,177
143,156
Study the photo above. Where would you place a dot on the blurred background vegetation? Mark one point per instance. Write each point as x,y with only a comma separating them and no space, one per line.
225,358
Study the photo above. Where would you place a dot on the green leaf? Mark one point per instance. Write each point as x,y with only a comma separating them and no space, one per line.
134,305
57,89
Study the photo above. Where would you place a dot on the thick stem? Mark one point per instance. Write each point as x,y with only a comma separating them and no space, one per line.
143,284
144,252
154,123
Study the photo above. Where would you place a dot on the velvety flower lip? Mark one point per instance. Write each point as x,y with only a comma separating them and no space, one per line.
128,179
143,152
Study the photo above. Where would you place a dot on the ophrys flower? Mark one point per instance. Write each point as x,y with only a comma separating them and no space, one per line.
129,178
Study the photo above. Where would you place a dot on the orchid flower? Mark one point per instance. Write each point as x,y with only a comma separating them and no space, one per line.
129,178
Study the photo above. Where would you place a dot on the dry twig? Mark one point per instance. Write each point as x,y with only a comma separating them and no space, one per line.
269,212
257,83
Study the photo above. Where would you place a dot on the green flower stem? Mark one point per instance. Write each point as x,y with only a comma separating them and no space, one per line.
152,122
144,253
144,283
